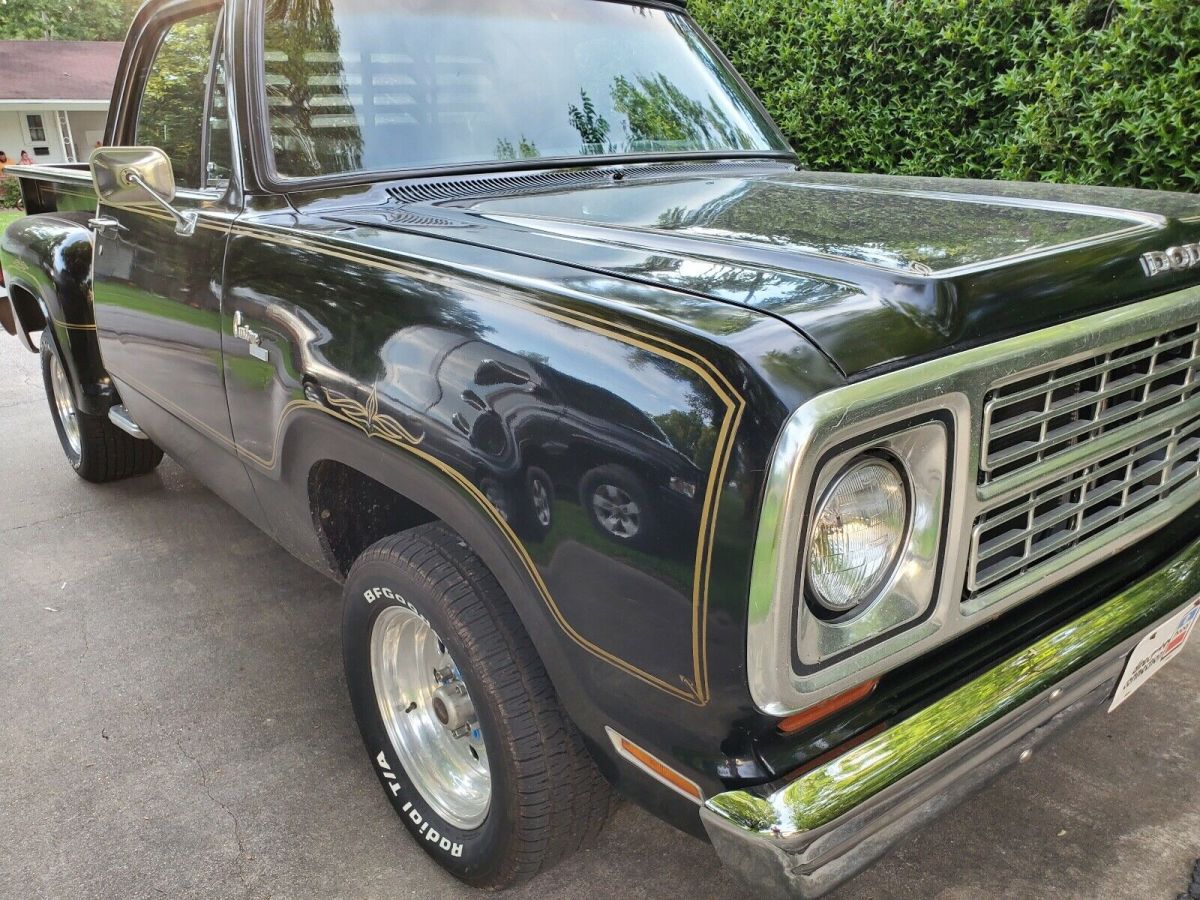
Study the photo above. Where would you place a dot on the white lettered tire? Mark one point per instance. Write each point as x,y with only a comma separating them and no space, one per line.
462,725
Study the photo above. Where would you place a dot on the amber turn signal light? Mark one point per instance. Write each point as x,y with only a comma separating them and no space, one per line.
802,720
655,767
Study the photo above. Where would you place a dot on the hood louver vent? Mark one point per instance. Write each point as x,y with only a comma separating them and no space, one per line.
469,187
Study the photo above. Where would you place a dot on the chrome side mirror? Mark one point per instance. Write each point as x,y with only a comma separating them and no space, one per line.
138,176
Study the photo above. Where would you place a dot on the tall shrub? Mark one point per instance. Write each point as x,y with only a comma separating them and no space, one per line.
10,192
1067,90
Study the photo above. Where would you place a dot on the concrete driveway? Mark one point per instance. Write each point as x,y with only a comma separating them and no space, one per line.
173,723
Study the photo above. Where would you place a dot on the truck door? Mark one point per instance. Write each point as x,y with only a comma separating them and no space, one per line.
157,293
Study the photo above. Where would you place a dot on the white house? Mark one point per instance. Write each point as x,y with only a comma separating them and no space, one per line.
54,97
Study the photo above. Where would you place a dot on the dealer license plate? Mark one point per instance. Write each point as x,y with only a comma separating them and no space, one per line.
1157,649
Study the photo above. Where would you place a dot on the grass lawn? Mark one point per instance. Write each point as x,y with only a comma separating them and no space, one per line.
9,215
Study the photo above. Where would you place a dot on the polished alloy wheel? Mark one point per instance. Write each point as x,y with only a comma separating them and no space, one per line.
541,502
616,511
64,404
429,717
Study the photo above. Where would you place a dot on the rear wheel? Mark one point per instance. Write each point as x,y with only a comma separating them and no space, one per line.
458,715
96,448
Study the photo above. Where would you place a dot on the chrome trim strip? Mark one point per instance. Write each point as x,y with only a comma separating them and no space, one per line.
957,384
1083,209
53,173
679,242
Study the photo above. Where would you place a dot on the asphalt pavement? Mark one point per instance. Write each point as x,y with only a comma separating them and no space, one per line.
173,723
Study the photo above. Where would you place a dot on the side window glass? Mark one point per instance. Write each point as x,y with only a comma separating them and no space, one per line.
220,153
172,107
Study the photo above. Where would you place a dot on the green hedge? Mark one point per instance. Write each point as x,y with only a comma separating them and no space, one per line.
1076,90
10,192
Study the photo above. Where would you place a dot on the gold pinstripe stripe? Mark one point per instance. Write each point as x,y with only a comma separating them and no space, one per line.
696,691
72,326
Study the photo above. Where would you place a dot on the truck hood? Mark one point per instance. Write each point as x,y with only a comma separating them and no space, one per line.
878,271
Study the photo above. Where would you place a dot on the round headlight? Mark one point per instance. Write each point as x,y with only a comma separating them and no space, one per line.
857,534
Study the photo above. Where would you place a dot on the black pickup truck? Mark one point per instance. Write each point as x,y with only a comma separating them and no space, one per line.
792,505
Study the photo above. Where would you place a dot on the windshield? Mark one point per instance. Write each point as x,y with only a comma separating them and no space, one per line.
356,85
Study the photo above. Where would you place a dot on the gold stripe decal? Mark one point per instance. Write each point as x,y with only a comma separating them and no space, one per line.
367,419
72,326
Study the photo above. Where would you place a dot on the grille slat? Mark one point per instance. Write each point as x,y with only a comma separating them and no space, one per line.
987,576
1142,398
1060,437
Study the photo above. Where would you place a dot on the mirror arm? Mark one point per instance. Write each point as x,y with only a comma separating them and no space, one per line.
185,222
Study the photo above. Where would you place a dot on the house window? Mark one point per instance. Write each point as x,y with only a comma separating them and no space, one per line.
37,131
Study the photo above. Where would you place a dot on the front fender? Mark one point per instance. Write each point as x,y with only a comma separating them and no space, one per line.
466,387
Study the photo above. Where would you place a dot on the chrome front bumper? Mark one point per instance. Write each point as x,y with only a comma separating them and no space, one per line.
809,836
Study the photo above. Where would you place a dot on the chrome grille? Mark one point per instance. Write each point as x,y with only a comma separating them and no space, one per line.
1091,447
1031,419
1054,518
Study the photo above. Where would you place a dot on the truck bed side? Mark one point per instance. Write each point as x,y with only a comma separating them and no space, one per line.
47,262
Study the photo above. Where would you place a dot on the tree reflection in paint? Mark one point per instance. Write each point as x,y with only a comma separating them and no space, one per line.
314,124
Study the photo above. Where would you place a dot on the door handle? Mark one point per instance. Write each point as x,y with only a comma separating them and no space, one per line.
105,225
244,332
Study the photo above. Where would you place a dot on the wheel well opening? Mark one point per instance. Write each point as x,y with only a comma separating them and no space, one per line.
30,318
352,510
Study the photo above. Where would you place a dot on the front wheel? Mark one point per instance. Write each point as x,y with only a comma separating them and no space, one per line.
458,715
96,448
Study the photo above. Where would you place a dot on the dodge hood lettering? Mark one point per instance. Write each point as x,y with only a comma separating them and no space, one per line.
1177,259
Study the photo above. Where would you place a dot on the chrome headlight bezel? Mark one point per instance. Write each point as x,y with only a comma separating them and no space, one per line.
795,658
921,449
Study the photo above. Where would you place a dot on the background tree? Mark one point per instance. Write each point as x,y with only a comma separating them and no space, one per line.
593,128
660,115
66,20
173,99
307,85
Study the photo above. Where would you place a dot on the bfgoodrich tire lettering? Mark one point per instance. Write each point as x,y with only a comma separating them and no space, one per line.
547,798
